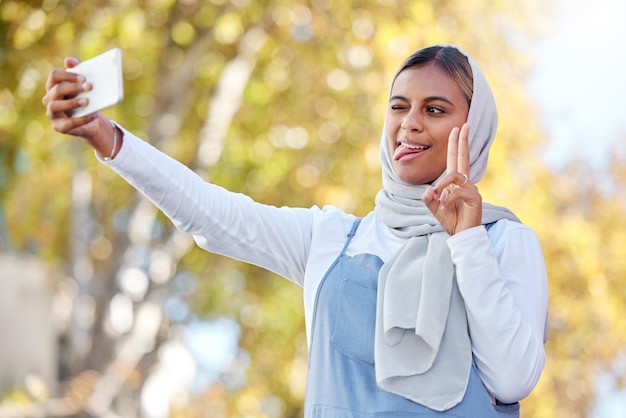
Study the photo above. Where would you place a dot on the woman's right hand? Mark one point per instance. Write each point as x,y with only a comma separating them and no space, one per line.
60,100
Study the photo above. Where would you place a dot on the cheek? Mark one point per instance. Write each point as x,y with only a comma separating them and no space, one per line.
441,137
442,159
440,154
391,129
391,123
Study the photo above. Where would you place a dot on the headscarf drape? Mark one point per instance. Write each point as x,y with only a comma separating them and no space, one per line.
422,346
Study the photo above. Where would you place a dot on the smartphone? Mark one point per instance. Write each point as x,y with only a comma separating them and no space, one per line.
104,72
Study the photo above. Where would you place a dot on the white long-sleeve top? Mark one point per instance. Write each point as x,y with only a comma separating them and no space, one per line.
500,273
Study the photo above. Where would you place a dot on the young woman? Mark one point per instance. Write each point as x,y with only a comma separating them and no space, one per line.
433,304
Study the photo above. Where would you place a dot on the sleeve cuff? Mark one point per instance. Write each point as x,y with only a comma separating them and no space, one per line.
462,237
125,138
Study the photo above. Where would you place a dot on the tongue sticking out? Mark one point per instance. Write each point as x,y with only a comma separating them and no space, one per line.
404,152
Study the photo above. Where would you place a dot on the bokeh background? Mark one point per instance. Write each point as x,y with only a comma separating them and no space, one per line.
107,311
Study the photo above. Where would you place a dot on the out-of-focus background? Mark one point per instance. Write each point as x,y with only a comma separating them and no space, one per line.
107,311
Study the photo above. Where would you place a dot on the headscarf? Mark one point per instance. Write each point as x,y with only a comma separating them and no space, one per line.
422,346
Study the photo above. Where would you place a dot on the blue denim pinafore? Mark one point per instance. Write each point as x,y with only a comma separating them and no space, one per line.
341,379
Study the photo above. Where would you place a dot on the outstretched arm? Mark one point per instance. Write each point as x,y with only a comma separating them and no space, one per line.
222,222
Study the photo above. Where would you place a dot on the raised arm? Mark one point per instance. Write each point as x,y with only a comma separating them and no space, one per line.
502,278
221,221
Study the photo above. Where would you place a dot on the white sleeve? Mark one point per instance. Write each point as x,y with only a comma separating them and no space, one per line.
503,281
220,221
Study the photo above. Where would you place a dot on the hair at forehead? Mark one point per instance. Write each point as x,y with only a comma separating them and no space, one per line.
447,58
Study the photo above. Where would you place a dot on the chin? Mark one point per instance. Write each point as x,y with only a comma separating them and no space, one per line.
414,180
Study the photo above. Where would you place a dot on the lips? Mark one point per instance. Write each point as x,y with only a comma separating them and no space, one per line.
406,151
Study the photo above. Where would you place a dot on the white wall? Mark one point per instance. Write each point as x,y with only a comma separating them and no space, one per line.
28,343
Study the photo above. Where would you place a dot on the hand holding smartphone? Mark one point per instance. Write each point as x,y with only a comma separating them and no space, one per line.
104,73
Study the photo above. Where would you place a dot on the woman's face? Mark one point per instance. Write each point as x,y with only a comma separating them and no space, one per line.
425,104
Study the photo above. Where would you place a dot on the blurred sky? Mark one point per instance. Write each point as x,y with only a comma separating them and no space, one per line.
579,81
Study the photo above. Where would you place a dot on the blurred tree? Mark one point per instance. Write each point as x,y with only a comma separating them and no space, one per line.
284,101
582,232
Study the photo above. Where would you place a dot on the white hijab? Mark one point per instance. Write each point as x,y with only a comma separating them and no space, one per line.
422,346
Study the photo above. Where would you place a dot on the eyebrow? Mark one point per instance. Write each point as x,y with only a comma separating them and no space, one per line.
428,99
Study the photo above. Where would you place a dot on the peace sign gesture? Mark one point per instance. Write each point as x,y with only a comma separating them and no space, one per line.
454,200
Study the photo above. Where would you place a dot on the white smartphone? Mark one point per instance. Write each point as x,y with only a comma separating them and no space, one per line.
104,72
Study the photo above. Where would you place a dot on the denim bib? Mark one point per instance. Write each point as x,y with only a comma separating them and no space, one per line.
341,379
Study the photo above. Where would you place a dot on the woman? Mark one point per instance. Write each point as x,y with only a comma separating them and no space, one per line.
432,304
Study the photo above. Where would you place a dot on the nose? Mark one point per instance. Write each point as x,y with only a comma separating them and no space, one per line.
412,121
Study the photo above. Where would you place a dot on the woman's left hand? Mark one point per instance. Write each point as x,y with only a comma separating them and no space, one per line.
454,200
